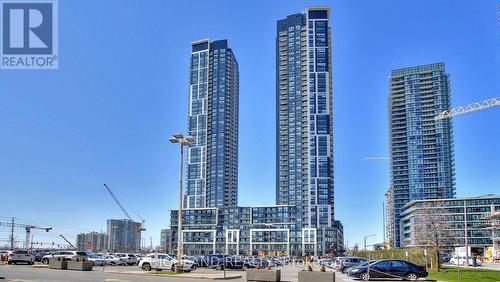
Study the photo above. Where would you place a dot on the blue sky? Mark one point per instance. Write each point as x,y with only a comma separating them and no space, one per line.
121,89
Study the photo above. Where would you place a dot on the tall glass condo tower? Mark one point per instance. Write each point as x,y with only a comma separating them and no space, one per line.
304,122
422,159
212,164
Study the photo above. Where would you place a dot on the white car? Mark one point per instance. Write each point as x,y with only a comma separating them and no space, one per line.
131,258
114,260
456,260
96,260
67,255
159,261
21,256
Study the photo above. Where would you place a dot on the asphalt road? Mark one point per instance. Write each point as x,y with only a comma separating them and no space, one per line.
27,273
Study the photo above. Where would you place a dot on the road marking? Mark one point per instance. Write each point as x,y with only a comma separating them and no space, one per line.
21,280
115,280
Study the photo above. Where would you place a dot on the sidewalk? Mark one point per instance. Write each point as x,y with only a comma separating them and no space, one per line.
492,266
485,265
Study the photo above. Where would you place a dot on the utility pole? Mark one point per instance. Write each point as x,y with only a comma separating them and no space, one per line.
466,237
12,235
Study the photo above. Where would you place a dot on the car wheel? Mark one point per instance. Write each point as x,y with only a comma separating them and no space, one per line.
364,276
45,261
344,270
244,267
146,267
219,267
411,276
9,262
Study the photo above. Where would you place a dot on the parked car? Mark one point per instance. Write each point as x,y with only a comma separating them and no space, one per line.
160,261
4,255
209,260
66,255
389,269
130,258
347,262
40,255
361,264
96,260
114,260
445,257
21,256
231,262
460,260
337,263
259,262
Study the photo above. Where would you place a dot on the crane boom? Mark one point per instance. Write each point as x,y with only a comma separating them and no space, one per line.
469,108
118,202
27,228
68,242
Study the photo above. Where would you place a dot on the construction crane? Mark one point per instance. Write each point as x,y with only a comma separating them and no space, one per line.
27,228
454,112
68,242
469,108
143,223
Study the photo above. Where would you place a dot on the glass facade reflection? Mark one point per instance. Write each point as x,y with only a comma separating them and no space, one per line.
422,162
304,149
212,169
302,221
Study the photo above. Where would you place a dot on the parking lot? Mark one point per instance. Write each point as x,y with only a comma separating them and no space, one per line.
39,273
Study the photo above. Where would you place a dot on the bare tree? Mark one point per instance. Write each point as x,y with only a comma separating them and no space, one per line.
432,228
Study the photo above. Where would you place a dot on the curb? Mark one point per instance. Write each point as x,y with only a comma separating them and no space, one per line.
201,276
198,277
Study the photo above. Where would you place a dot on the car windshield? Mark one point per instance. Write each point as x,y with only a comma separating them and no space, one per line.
81,253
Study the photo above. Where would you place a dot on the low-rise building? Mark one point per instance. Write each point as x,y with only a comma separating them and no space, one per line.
166,241
92,242
258,230
449,222
494,227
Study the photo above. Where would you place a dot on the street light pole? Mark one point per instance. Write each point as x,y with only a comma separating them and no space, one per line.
365,237
183,141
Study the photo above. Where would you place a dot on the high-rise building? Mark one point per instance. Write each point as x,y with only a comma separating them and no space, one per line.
92,242
212,169
124,235
421,147
304,121
302,221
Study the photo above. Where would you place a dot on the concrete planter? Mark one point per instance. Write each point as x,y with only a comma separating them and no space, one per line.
315,276
273,275
58,263
80,265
